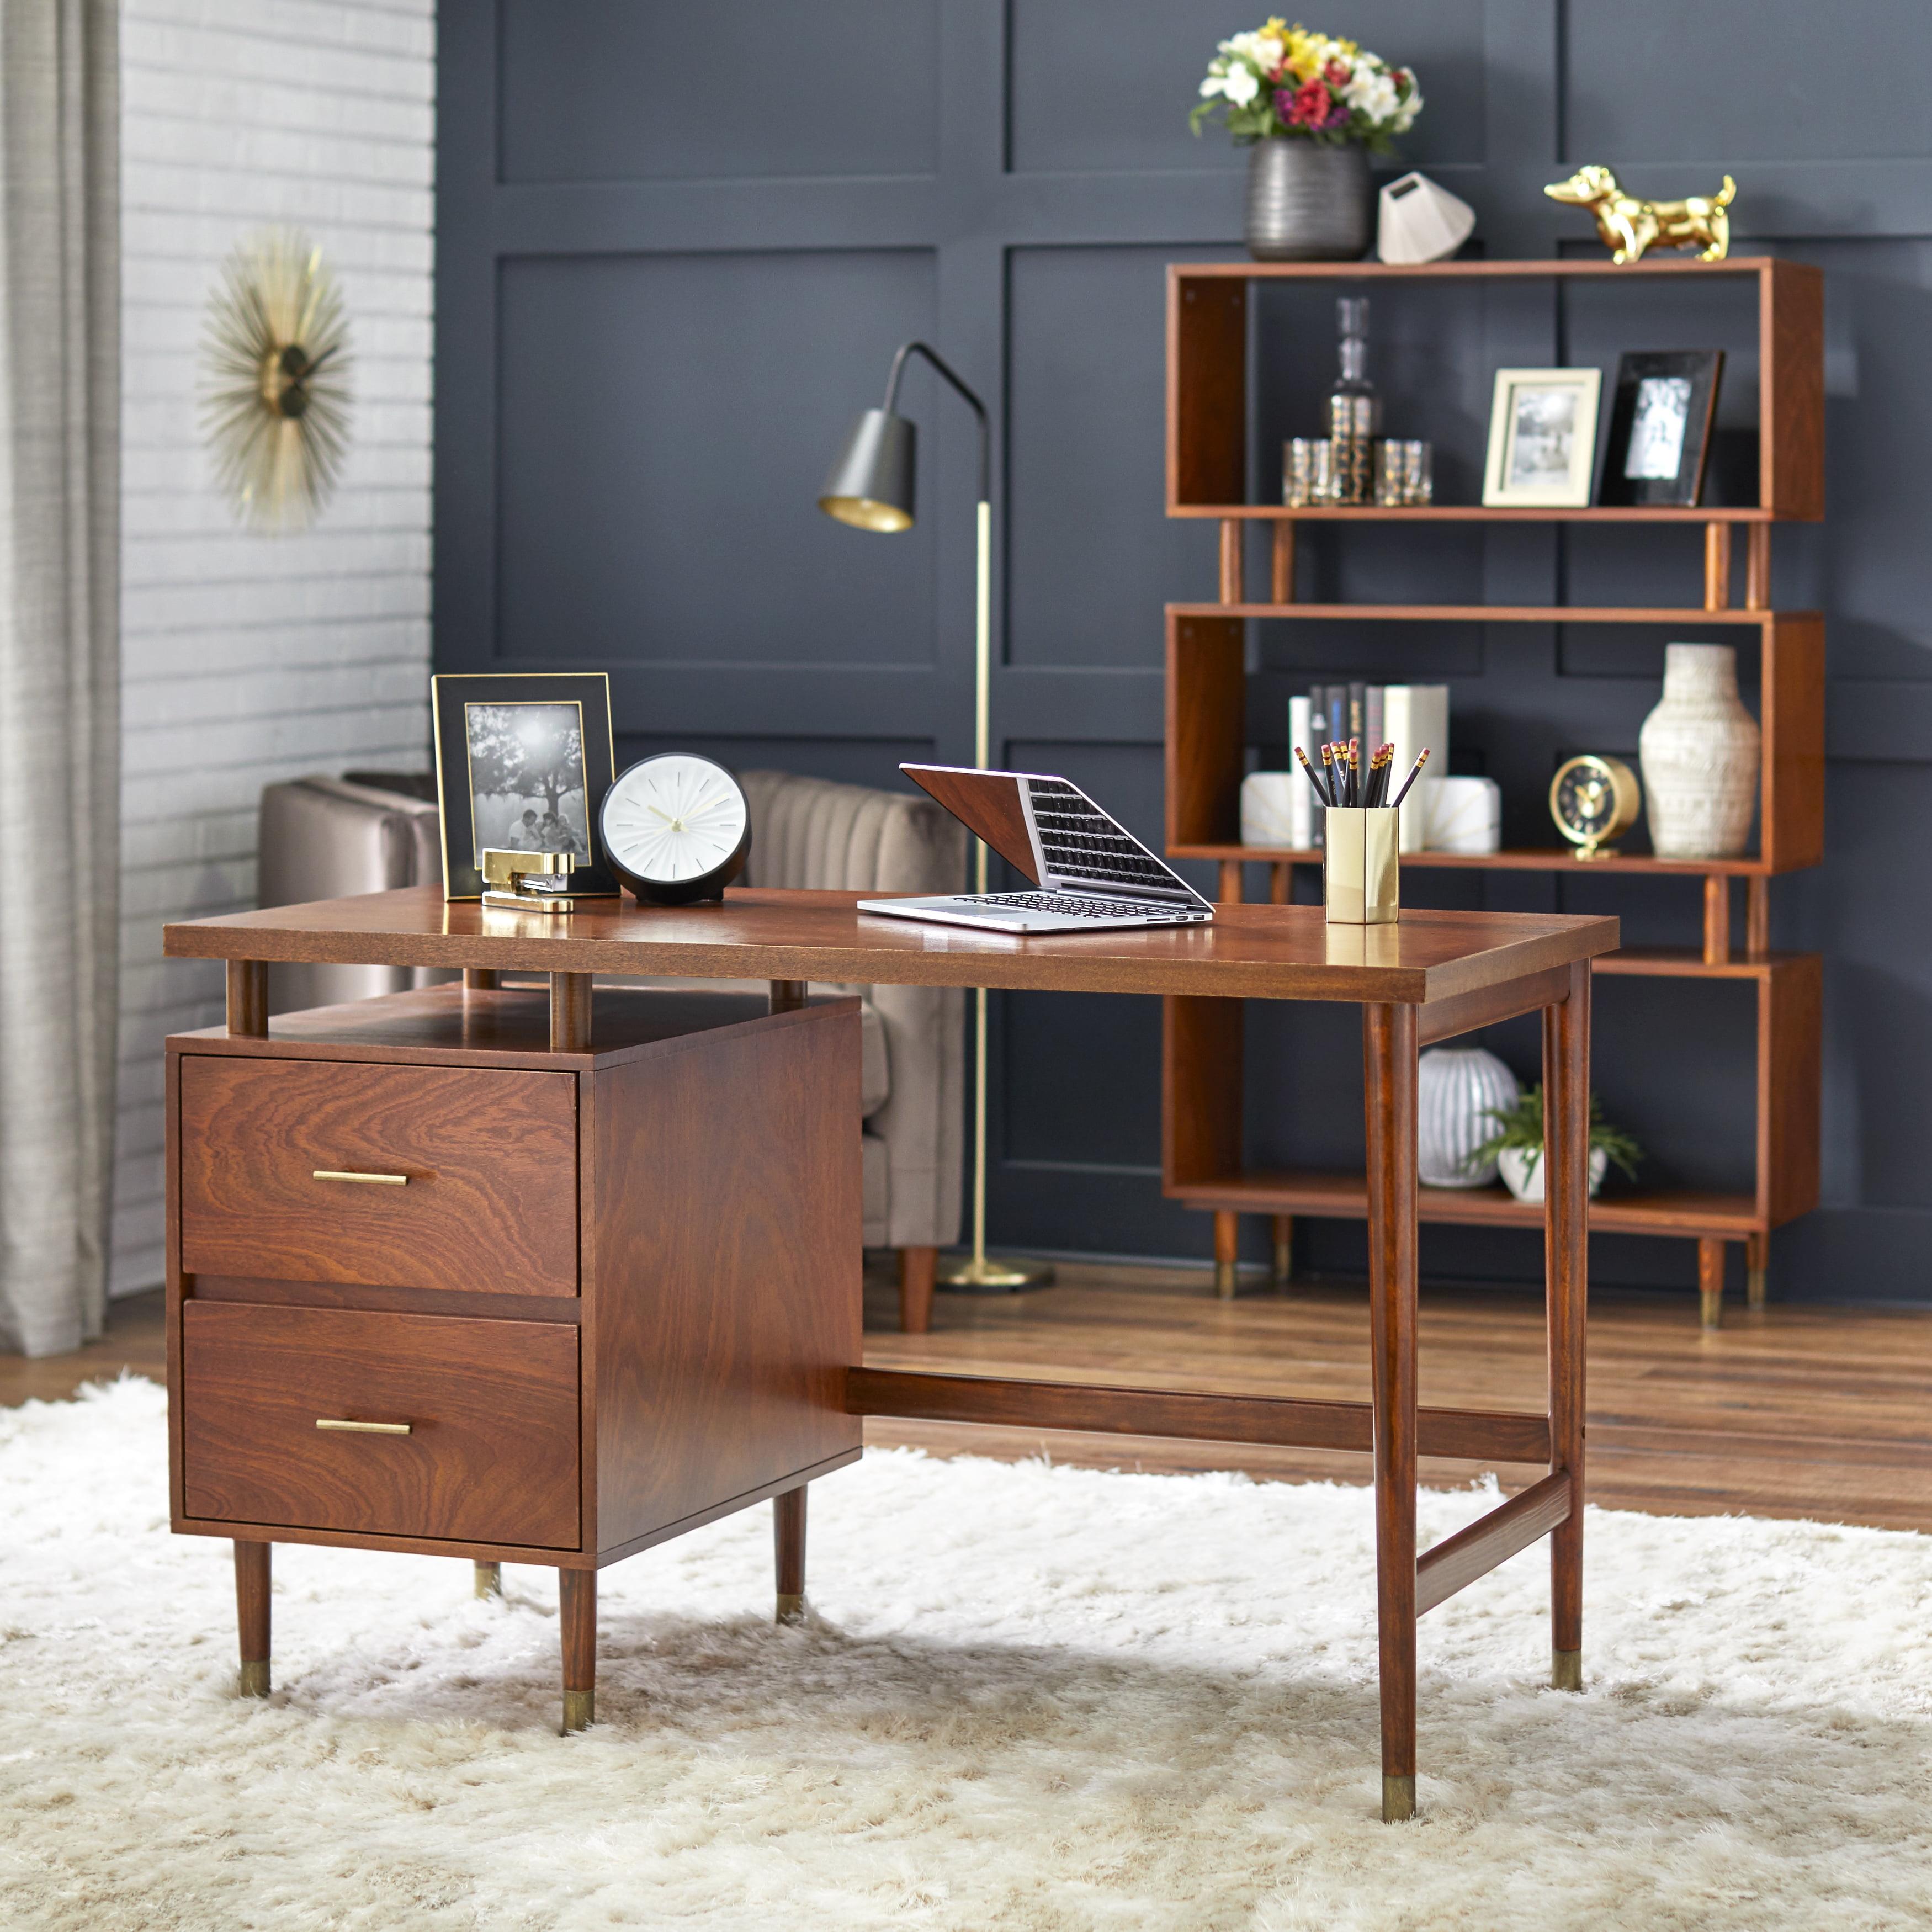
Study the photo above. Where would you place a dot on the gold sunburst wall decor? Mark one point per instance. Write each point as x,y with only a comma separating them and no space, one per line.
275,390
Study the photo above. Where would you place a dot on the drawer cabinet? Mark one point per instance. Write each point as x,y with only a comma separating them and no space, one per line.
468,1429
436,1285
388,1177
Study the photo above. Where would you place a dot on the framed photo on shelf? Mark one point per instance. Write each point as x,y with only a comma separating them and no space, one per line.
1542,439
522,761
1659,434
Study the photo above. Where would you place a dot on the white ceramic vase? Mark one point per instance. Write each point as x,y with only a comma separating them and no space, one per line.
1525,1180
1700,749
1455,1088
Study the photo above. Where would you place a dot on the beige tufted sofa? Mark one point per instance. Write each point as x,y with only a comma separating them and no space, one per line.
324,837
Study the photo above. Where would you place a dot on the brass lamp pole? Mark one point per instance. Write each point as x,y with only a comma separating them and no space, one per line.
870,488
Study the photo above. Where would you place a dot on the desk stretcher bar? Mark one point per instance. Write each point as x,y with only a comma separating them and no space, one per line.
1487,1434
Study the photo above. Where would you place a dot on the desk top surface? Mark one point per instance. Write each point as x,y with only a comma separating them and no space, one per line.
1258,952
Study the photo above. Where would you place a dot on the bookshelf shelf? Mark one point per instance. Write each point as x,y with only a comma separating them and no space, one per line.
1207,746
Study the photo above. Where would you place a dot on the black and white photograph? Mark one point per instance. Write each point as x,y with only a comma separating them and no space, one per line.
1542,438
1659,434
522,763
527,778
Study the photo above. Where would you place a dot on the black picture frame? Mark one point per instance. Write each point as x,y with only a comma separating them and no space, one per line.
458,706
1683,416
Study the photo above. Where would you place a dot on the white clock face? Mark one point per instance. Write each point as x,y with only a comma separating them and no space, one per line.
673,818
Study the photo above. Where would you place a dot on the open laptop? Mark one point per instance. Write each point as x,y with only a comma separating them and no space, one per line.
1092,875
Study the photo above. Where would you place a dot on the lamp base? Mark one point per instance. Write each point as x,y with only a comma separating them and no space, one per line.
994,1276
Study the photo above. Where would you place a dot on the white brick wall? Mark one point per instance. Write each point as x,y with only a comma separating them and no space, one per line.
248,657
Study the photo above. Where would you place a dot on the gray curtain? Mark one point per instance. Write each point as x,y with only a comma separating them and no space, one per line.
60,722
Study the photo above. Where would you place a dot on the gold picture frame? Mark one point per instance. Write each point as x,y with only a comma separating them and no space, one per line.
522,761
1542,439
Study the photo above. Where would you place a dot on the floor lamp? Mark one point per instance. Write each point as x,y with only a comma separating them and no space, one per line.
870,488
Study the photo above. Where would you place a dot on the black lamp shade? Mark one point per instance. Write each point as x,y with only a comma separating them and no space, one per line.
871,485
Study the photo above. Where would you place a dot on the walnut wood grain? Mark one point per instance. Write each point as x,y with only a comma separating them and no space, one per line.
1790,1088
919,1268
1791,704
726,1284
1457,1560
577,1621
788,1553
492,1453
987,803
1566,1077
1184,1414
247,997
1260,951
1206,729
570,1012
1389,1105
1207,390
489,1156
444,1026
253,1615
1201,1090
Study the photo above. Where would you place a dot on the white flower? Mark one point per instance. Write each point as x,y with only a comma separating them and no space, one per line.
1269,52
1212,85
1373,92
1241,85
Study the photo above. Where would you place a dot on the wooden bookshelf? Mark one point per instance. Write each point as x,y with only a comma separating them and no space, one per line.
1207,745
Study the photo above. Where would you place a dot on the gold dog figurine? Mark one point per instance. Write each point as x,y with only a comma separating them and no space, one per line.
1628,225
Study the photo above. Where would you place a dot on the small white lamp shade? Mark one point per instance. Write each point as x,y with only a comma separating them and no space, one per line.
1421,222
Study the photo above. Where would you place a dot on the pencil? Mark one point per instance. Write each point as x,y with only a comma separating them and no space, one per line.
1312,778
1415,772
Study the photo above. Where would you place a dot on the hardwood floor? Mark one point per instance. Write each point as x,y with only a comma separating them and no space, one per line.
1796,1412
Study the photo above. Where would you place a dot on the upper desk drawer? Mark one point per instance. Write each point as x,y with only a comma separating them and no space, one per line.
487,1162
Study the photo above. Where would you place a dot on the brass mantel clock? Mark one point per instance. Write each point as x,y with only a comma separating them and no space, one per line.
1594,800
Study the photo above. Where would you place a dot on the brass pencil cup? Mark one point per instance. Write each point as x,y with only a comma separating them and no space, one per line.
1361,877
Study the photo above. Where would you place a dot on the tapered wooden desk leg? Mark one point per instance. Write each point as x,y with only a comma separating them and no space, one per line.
488,1579
1711,1282
1284,1250
788,1550
1388,1056
577,1608
251,1616
917,1267
1566,1128
1757,1253
1227,1252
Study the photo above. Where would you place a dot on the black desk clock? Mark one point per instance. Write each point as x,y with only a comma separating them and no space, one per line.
1594,800
676,829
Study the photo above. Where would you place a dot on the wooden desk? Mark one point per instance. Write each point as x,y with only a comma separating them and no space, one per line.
1432,976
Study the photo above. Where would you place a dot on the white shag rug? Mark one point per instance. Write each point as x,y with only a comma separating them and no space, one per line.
1032,1697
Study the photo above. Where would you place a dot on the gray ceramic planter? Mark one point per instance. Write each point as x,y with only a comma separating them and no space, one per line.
1308,202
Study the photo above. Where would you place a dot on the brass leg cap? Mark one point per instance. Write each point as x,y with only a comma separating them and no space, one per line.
1711,1309
489,1579
252,1680
1754,1287
1566,1670
1398,1799
1224,1280
791,1608
580,1711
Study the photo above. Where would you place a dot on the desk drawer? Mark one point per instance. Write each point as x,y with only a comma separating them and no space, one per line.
491,1451
488,1158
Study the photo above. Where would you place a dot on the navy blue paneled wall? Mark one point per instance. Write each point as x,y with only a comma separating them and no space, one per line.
672,260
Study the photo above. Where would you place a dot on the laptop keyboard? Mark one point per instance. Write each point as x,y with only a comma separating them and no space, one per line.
1077,838
1078,908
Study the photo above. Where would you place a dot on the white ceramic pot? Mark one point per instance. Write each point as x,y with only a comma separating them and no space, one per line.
1457,1086
1700,749
1525,1181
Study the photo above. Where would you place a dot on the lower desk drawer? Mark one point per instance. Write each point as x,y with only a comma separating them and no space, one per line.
490,1456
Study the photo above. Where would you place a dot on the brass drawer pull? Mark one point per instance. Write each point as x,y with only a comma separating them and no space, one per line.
363,1428
367,1180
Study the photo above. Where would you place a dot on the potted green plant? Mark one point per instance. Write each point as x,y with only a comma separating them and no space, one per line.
1314,109
1517,1146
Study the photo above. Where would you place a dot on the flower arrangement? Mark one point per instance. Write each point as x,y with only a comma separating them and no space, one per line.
1281,81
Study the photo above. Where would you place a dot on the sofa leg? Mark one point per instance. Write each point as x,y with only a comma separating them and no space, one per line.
917,1267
